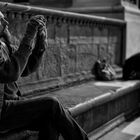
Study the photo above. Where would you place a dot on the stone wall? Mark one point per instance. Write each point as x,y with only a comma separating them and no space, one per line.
75,43
127,10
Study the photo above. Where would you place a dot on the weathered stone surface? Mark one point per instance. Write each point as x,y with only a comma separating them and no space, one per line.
74,45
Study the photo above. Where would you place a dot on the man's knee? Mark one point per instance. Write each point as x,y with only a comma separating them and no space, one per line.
53,101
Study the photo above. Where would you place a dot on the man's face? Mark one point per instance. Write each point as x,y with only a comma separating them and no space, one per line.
3,23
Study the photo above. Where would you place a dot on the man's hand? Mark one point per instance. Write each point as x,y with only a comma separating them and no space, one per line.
41,40
35,23
42,33
38,20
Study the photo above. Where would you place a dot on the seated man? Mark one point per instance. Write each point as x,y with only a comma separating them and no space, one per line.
131,68
44,114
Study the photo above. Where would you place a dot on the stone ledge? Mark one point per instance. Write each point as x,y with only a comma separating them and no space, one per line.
106,97
97,112
107,9
123,102
58,14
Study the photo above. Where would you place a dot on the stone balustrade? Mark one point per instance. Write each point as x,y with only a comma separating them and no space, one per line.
75,41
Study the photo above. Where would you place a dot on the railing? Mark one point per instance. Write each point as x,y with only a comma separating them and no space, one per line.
75,43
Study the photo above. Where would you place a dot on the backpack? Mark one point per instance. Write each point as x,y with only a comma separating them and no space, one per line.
104,71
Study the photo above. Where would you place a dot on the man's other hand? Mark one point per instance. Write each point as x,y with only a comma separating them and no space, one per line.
38,20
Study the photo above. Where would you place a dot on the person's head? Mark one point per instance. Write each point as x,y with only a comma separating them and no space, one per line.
3,22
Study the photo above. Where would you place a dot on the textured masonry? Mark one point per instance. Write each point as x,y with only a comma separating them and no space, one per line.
75,42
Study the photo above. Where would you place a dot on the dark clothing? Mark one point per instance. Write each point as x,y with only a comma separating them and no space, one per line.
45,115
11,69
131,67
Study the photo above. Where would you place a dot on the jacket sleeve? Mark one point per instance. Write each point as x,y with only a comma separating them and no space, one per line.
35,58
11,69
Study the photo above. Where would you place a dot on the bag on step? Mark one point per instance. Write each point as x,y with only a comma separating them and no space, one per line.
104,71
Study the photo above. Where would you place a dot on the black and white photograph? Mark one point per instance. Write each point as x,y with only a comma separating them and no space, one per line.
69,70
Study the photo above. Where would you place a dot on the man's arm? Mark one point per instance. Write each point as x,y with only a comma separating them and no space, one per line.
37,53
12,68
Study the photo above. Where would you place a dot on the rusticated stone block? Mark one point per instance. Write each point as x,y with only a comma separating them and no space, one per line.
114,35
112,52
96,35
100,35
85,57
51,31
103,51
68,58
104,36
51,61
61,31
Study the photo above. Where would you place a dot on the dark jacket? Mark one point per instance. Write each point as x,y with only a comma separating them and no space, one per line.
131,67
22,62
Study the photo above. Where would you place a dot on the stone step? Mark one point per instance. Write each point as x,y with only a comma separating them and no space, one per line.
96,113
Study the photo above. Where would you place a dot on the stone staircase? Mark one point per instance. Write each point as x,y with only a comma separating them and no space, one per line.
97,106
99,113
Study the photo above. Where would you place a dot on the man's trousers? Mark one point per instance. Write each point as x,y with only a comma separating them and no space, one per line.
44,114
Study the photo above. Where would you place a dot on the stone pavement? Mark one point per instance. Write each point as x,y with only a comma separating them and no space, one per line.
127,131
117,134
